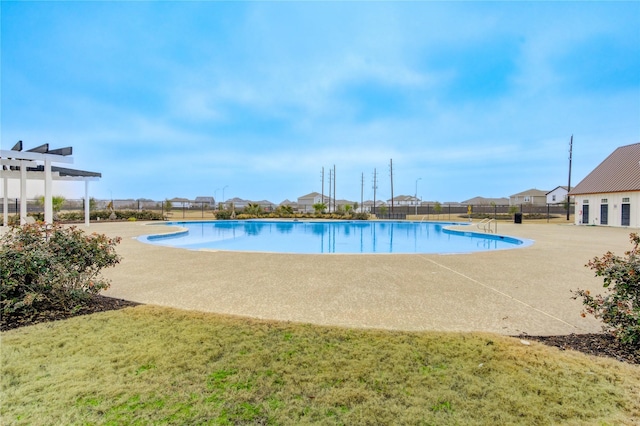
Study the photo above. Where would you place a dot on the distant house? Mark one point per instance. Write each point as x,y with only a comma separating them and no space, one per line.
306,202
343,203
205,201
368,206
178,202
236,203
482,201
404,200
533,197
558,195
266,205
610,194
293,204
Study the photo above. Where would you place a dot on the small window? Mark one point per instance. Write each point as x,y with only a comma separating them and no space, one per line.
625,200
604,201
553,198
585,201
527,199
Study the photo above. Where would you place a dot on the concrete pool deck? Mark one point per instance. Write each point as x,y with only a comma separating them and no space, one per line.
525,290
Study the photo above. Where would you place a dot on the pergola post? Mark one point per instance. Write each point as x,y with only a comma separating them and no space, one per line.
86,203
48,198
23,193
5,202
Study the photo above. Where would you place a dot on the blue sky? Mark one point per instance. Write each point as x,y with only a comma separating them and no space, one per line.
182,99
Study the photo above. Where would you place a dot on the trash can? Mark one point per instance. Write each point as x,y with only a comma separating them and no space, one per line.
517,218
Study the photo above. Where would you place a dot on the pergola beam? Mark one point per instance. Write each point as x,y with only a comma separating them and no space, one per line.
27,155
42,149
61,151
29,169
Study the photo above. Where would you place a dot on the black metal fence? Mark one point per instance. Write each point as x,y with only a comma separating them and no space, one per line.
454,211
162,207
205,209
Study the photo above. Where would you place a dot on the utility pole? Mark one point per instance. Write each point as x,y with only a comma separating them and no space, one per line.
330,177
391,173
416,196
322,185
362,192
334,187
569,184
375,187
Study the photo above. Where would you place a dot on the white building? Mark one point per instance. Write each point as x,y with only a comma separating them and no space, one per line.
610,194
558,195
306,202
404,200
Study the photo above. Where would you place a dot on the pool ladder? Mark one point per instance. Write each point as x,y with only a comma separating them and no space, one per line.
485,225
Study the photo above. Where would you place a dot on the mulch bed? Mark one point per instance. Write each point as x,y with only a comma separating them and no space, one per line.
592,344
97,303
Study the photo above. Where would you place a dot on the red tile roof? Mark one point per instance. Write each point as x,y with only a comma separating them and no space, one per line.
619,172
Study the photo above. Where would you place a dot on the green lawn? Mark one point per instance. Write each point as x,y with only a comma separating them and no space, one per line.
151,365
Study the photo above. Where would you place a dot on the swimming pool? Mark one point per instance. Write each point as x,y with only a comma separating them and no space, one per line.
319,237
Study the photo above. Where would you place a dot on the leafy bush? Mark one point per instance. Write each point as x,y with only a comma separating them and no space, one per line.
50,267
360,216
284,211
253,210
78,216
223,214
245,216
620,308
319,208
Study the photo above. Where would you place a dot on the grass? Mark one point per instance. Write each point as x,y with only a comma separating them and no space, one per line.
152,365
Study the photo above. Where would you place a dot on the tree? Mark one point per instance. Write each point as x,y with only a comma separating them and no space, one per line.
383,211
355,206
253,209
56,201
284,211
319,207
437,208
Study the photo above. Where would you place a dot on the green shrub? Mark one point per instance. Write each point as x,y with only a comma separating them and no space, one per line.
50,267
360,216
619,309
245,216
78,216
223,214
70,216
254,210
284,211
138,214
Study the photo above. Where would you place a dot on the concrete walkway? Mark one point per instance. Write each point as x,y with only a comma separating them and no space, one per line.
510,292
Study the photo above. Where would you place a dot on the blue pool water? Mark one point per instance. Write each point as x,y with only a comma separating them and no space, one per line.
313,237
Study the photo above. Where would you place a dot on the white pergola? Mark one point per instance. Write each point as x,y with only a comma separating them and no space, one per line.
37,164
